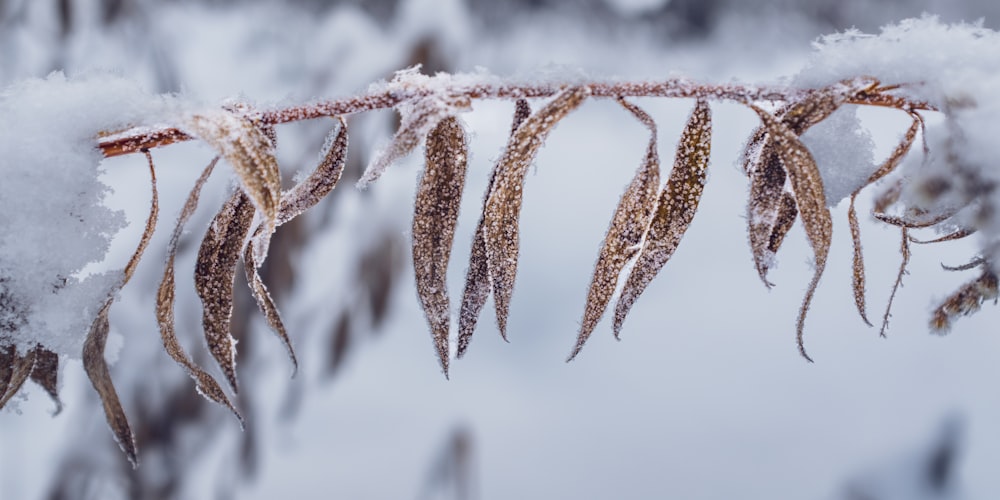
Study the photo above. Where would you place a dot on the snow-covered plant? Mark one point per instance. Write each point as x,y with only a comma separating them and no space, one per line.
55,222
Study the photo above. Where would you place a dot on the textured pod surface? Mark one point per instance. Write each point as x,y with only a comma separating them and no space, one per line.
435,215
502,211
675,208
628,226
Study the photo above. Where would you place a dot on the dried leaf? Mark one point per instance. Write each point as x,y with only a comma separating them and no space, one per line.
965,301
251,153
93,348
97,370
215,273
46,374
807,184
477,279
435,215
771,210
322,180
503,204
418,118
628,226
295,202
205,384
904,249
887,167
675,209
19,368
858,273
267,306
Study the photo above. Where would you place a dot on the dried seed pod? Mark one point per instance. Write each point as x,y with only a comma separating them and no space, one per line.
205,384
250,152
503,204
477,279
215,274
675,209
807,184
628,226
435,215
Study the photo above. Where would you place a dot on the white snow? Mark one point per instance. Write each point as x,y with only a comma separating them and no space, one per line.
53,219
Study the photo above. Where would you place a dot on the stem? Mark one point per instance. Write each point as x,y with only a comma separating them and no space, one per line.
396,92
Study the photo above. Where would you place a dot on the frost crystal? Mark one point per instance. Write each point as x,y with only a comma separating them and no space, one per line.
53,219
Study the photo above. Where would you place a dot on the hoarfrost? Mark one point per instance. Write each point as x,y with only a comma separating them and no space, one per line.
52,218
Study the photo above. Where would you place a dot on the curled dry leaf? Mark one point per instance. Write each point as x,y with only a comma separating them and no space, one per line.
885,169
205,384
675,209
966,300
100,377
214,276
267,306
477,279
295,202
250,152
952,236
628,226
435,215
418,118
503,204
323,178
46,374
808,188
771,211
93,347
975,262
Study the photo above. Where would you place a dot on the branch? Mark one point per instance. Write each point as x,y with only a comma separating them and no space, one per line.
398,91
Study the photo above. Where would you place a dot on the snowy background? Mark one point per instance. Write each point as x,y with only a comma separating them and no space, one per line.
705,397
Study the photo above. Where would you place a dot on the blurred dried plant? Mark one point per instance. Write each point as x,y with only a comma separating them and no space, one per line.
645,229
